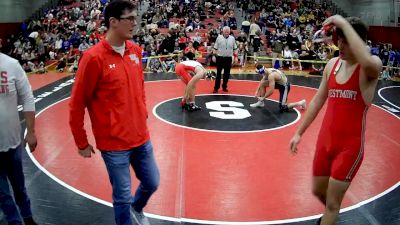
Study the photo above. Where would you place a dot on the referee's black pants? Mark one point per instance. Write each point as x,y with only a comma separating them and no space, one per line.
223,63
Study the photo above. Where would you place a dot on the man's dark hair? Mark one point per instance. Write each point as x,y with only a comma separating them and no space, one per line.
358,25
115,9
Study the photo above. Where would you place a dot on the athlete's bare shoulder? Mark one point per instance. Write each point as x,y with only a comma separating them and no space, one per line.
329,66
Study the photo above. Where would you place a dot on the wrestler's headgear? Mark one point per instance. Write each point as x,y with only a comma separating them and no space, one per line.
260,69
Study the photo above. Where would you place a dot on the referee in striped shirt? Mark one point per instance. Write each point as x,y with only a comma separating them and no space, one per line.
224,48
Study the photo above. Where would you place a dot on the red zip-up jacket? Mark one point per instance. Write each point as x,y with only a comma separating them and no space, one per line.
111,87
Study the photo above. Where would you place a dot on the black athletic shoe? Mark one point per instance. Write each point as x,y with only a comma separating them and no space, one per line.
29,221
191,107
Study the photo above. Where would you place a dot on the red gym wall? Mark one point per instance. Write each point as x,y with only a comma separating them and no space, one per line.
6,29
379,34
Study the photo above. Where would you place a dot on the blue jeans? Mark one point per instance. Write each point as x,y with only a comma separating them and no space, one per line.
142,160
11,171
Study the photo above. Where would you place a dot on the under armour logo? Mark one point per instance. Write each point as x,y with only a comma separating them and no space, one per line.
111,66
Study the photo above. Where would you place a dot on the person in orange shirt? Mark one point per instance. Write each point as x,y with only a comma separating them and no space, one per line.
110,84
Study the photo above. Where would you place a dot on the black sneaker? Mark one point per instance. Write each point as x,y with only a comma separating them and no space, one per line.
29,221
191,107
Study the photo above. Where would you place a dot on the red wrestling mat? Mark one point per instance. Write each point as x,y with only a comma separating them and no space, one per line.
40,80
224,176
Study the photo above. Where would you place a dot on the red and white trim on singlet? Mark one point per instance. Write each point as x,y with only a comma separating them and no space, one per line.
361,152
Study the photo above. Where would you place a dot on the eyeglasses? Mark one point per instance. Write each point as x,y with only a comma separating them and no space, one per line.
130,18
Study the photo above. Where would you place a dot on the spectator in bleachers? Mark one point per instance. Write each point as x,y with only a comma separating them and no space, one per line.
287,54
66,45
83,46
271,20
384,55
254,27
26,67
33,37
295,22
41,68
169,64
62,63
196,40
91,25
375,50
256,43
242,53
245,7
277,48
52,54
197,24
183,40
190,51
74,66
212,35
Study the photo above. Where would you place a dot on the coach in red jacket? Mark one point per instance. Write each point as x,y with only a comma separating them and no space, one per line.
110,84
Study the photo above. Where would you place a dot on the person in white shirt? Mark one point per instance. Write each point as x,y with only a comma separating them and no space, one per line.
91,26
32,38
14,85
58,44
287,54
52,55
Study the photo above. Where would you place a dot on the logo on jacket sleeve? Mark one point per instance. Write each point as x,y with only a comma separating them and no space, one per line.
134,58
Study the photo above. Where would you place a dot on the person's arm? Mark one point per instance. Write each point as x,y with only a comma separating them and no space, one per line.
30,137
25,94
235,47
372,65
139,53
216,46
86,78
271,87
199,75
315,106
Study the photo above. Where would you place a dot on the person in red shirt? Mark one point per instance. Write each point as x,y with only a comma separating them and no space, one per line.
110,84
190,51
348,83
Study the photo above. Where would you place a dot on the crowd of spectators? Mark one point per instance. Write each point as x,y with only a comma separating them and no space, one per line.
60,36
188,28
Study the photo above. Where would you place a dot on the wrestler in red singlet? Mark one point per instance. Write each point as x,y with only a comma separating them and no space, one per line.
348,83
340,147
182,69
